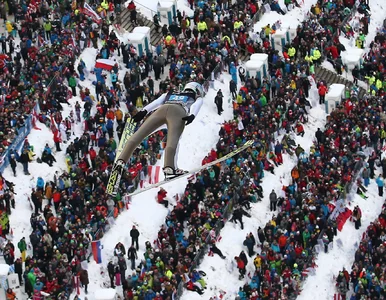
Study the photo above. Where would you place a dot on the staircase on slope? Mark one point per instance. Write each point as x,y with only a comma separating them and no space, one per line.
142,21
330,77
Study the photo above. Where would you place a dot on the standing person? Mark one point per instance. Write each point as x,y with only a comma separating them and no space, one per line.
355,74
13,163
24,159
218,101
322,91
19,270
380,184
132,256
72,85
111,271
272,200
150,83
22,245
356,216
233,89
240,266
238,216
84,281
156,23
57,140
134,234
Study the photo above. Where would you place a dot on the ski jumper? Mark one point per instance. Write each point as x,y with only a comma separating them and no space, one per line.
170,109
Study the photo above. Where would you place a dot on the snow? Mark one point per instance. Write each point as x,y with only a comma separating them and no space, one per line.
142,29
253,65
335,90
105,294
222,275
4,269
290,20
259,56
135,37
197,140
149,8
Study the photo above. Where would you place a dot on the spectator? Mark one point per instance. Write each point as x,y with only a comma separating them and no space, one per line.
134,234
357,216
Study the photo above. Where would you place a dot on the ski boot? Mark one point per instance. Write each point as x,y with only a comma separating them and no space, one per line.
115,177
171,173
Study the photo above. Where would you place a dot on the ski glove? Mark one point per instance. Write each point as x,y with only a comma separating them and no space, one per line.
140,115
189,119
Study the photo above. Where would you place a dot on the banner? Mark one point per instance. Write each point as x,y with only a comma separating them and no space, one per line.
16,144
96,247
153,173
88,11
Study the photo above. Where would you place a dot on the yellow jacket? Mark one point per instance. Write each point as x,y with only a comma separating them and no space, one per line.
201,26
308,58
267,30
105,4
9,27
378,84
316,54
291,52
169,274
237,24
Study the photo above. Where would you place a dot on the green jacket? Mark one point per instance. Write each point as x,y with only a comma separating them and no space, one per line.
47,26
31,277
72,81
22,245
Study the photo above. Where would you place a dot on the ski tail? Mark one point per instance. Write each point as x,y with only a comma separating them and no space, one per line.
119,166
128,131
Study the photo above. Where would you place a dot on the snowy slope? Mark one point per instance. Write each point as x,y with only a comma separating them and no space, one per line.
342,255
345,245
223,274
197,140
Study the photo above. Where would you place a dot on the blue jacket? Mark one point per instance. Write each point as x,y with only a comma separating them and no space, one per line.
379,182
40,183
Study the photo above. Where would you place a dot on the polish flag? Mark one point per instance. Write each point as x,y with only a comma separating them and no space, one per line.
153,174
105,64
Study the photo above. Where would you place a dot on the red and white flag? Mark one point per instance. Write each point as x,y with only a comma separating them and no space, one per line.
153,174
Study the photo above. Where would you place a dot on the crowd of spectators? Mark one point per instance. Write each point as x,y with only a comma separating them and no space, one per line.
286,242
28,69
77,206
78,210
373,68
367,276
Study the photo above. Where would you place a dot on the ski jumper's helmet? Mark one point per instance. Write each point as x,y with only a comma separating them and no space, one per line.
196,88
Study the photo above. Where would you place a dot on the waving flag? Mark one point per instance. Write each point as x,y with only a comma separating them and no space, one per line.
87,10
96,247
105,64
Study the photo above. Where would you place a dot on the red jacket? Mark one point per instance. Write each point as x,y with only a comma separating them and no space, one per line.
161,195
240,263
57,138
334,51
322,90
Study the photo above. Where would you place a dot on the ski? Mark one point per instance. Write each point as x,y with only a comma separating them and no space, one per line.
245,146
117,170
128,131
